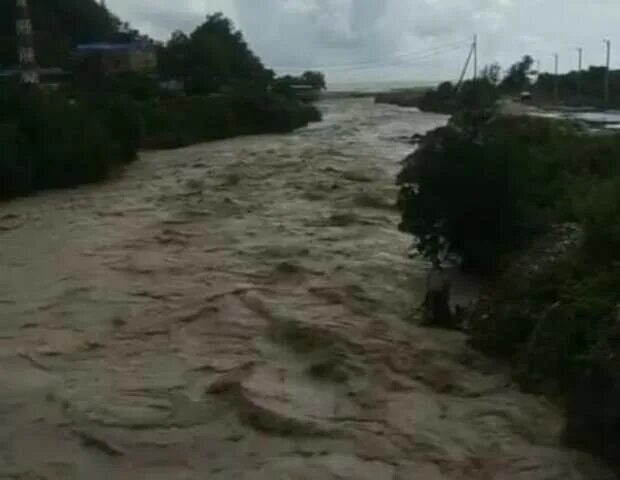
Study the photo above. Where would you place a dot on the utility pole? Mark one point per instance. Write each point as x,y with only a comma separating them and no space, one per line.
475,47
556,89
579,69
25,44
465,67
607,73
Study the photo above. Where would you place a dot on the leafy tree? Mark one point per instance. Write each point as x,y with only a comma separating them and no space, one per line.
464,194
174,61
517,77
314,79
580,88
212,57
59,25
473,95
492,73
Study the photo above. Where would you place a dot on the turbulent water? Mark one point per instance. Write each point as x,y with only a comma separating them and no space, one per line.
235,310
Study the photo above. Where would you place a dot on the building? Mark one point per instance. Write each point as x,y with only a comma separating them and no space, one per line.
114,58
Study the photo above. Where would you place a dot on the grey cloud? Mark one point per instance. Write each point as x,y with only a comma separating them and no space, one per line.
295,34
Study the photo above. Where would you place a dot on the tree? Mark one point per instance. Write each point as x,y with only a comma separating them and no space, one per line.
517,78
213,56
59,25
492,73
173,57
314,79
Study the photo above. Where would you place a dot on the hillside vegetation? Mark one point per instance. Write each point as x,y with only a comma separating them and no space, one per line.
97,122
59,26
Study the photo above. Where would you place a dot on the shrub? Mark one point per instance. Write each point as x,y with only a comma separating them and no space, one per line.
601,218
487,191
484,188
52,142
15,163
469,195
179,121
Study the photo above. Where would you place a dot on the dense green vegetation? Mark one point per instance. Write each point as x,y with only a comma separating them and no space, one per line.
214,56
535,203
48,142
306,86
409,97
178,121
479,94
518,77
59,26
585,88
448,98
83,131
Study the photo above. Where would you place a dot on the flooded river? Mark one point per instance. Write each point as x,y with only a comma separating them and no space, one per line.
235,310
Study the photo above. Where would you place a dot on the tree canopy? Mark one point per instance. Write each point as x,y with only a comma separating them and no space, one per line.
517,77
59,25
213,56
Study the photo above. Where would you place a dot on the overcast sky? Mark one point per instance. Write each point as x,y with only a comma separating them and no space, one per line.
412,40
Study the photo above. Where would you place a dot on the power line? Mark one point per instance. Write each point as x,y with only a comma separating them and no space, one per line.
378,61
408,62
462,77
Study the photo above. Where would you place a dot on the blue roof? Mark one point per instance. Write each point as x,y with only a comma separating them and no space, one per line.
97,47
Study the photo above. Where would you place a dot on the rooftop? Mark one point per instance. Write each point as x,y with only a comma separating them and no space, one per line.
105,47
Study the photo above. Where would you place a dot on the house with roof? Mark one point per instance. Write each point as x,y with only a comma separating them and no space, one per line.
115,58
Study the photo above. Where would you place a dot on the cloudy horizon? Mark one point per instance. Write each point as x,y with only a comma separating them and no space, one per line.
395,40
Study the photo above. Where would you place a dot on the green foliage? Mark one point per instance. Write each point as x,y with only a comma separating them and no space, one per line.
297,87
132,85
492,73
213,56
15,163
442,100
179,121
517,80
52,142
314,79
478,94
497,193
580,88
560,328
59,25
82,133
484,188
601,219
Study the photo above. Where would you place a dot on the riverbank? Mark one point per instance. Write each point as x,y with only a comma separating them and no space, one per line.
593,119
532,203
240,309
405,97
58,141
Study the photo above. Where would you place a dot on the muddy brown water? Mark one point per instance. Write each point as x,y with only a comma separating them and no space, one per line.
234,310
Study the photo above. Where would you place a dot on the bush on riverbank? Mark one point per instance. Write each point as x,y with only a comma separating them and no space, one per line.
480,94
485,186
51,142
558,322
537,203
180,121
